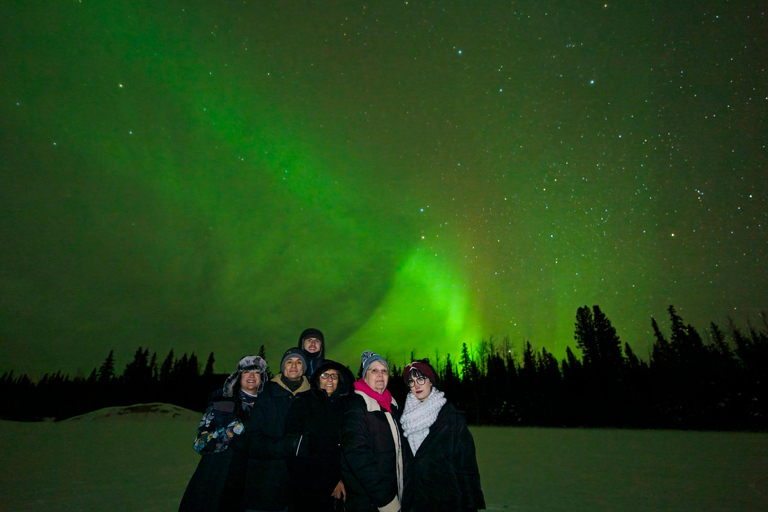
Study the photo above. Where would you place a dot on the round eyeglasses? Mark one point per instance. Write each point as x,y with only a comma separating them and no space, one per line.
419,380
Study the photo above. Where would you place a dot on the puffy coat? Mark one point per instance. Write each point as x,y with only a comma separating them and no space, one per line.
443,475
314,478
266,479
370,454
219,476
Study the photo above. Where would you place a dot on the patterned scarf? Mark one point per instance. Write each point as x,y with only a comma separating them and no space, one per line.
419,416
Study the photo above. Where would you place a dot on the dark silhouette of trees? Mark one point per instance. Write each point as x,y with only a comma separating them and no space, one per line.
60,396
718,380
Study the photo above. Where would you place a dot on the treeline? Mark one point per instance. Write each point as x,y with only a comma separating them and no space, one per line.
688,383
176,380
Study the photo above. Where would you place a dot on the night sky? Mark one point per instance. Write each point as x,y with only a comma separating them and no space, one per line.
216,175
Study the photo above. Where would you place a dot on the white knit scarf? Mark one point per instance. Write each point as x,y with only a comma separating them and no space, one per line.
418,416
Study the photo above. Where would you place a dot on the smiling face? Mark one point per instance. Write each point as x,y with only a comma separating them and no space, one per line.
377,376
293,368
312,345
250,381
329,381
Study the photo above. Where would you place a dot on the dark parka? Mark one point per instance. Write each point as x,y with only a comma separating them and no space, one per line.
368,466
266,481
316,360
443,475
219,477
314,478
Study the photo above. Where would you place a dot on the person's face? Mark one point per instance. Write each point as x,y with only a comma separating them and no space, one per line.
329,381
420,391
312,345
250,381
377,376
293,368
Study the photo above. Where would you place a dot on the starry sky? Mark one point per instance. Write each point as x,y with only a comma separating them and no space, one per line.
404,175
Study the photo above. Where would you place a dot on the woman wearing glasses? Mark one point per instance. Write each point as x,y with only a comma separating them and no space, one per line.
316,479
372,464
441,468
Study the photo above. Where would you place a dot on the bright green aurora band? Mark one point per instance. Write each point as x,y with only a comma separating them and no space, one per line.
213,176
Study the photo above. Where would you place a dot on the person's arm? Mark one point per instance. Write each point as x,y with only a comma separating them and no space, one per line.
467,472
262,445
217,428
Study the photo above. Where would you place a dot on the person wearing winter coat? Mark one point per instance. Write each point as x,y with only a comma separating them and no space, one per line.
269,447
372,459
316,480
218,481
312,342
441,471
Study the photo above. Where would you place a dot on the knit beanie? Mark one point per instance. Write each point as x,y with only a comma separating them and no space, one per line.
294,352
246,364
420,367
369,357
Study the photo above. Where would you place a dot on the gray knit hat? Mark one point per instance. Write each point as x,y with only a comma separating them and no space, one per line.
246,364
369,357
294,352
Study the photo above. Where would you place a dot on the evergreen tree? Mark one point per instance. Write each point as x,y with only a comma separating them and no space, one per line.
585,336
153,367
193,367
608,342
138,372
107,369
597,339
166,370
661,353
263,355
209,366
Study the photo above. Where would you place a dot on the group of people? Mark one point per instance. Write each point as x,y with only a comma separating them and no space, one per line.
315,439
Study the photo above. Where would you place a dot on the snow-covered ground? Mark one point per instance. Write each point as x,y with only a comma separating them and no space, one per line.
141,458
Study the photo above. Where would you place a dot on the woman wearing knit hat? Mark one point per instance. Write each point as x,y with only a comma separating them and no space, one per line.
441,468
217,483
372,462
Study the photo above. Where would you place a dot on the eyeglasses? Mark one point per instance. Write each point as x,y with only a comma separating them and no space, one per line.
419,380
332,376
379,371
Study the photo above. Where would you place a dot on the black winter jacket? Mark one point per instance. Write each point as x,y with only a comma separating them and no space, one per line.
218,480
370,457
314,478
266,480
443,475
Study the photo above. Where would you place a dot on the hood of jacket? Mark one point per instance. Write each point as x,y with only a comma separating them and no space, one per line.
345,380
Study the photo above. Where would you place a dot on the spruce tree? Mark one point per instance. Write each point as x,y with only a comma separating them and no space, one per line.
209,366
107,369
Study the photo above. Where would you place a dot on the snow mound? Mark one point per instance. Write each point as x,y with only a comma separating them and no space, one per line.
142,411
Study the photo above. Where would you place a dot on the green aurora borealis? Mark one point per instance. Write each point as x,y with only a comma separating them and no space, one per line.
217,175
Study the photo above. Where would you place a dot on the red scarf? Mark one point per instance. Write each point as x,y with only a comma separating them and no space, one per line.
383,399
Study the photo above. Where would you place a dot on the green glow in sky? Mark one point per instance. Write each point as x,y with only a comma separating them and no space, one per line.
405,176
